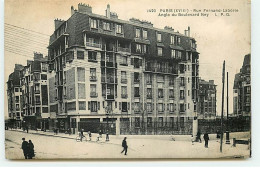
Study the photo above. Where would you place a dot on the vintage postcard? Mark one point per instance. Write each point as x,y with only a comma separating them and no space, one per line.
146,79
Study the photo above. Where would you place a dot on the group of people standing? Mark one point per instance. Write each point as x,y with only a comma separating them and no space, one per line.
28,149
81,134
198,138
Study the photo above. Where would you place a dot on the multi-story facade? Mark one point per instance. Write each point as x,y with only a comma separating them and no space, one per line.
207,99
242,89
104,69
14,95
33,80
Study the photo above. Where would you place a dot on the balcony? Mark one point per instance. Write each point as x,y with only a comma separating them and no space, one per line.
149,82
182,98
136,81
37,91
110,97
160,96
93,94
121,49
137,95
96,45
171,96
92,59
124,96
93,78
123,80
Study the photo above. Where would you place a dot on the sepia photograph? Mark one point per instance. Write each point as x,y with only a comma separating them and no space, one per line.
111,79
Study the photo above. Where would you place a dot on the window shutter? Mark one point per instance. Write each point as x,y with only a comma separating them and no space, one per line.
120,105
89,105
128,106
98,105
167,106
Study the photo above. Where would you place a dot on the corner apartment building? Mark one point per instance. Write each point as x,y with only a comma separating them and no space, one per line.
14,94
207,99
34,92
104,69
242,89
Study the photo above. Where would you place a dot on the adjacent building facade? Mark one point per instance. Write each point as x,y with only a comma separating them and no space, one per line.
207,99
103,69
14,94
242,89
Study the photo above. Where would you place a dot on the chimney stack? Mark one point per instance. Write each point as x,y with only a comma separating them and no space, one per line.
72,10
108,11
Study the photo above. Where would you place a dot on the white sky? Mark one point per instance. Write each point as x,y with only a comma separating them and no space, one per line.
218,38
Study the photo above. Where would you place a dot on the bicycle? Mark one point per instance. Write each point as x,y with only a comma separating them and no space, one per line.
79,139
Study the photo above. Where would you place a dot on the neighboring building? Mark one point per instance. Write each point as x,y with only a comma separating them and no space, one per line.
14,97
103,69
207,99
34,100
242,89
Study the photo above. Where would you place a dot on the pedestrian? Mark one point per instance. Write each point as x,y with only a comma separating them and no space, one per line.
198,137
27,129
89,135
30,150
192,140
25,148
107,136
124,145
100,134
81,134
206,138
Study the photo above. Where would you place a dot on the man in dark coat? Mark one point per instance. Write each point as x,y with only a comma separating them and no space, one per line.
198,136
25,148
30,150
206,138
124,145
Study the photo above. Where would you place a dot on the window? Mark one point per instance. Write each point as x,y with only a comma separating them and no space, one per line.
137,33
171,107
93,89
124,60
136,77
92,56
82,105
43,76
182,108
160,93
173,53
182,81
118,28
81,74
94,23
124,91
149,79
37,100
44,67
160,107
160,123
149,122
16,89
137,63
171,94
137,122
188,92
149,107
179,40
159,51
181,94
17,106
36,76
138,48
159,37
106,26
172,39
80,54
136,92
123,77
17,99
144,48
124,106
37,88
149,93
93,74
136,107
144,34
93,106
